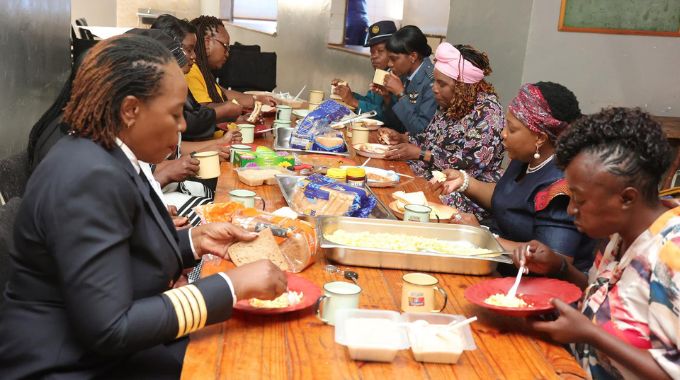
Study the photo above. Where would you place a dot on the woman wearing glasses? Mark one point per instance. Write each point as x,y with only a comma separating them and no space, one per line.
212,52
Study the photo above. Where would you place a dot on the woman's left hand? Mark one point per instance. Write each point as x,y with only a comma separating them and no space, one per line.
465,219
266,99
403,151
571,326
215,238
393,84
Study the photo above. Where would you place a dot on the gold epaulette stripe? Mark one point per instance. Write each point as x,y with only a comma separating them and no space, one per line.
179,311
190,308
203,310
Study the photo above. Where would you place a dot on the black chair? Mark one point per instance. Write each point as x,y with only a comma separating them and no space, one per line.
14,172
248,69
8,213
84,33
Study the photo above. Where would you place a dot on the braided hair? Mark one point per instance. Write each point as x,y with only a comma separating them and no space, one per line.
206,26
121,66
465,94
174,27
628,143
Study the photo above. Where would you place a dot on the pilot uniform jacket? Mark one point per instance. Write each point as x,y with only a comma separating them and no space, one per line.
413,112
95,258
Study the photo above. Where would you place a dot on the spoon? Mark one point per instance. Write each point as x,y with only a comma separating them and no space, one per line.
365,162
513,291
348,274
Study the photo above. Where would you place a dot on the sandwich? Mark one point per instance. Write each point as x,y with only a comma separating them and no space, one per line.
438,176
263,247
256,112
403,199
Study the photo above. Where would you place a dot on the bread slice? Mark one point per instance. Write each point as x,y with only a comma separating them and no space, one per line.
403,199
263,247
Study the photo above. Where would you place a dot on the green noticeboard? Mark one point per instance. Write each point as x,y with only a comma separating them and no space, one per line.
644,17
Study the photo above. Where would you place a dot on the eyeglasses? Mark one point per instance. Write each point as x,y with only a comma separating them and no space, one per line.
224,45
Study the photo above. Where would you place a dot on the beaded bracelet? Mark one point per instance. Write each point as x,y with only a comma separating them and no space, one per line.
466,182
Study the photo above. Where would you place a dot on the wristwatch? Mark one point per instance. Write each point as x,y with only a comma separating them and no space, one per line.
421,157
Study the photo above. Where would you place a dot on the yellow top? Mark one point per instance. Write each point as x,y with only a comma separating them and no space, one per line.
356,172
336,174
197,85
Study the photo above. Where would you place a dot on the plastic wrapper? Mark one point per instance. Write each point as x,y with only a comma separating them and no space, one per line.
318,123
320,195
296,238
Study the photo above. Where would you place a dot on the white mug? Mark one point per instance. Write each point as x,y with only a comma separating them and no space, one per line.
417,213
209,164
337,295
283,112
245,197
315,96
247,133
238,148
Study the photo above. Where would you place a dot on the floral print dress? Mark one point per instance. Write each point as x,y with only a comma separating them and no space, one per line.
472,143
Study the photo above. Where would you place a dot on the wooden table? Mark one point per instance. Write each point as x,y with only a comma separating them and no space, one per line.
299,346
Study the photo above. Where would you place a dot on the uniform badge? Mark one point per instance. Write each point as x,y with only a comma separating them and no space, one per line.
413,97
375,29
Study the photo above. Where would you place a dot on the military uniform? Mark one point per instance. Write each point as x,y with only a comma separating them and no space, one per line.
413,111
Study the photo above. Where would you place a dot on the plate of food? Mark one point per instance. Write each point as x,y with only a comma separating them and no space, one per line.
266,108
370,124
301,294
376,177
440,212
371,150
323,160
533,295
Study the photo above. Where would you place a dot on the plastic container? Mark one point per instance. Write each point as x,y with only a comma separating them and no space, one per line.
370,335
356,177
337,174
432,342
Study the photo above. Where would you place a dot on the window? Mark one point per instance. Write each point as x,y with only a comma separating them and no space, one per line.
431,16
260,15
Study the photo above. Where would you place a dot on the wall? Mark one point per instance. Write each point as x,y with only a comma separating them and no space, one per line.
303,57
431,16
127,9
100,13
34,39
604,69
498,28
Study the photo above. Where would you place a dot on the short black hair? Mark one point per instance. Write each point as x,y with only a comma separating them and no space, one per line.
407,40
174,27
562,102
627,141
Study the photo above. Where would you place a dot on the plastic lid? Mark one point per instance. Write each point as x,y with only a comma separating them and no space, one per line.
336,173
356,172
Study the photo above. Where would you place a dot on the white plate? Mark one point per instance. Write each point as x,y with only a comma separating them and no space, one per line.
394,177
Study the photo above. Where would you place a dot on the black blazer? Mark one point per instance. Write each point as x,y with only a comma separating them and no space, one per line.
94,258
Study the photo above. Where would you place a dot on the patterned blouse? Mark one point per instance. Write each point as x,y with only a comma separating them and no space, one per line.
635,295
472,143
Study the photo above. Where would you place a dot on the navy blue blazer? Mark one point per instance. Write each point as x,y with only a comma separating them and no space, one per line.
95,257
413,112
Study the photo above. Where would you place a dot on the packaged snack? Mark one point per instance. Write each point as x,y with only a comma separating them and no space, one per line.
321,195
318,123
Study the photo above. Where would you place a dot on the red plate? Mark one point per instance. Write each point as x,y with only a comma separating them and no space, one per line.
310,294
533,290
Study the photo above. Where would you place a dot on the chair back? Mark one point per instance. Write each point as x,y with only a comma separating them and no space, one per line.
14,172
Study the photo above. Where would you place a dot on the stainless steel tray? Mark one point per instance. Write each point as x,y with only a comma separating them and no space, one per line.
287,185
410,260
285,146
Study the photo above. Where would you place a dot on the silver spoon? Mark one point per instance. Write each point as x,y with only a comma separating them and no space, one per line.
348,274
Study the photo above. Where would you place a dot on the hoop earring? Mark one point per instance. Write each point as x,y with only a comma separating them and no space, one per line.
537,155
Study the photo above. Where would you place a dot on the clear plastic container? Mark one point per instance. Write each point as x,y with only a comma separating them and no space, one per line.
432,342
370,335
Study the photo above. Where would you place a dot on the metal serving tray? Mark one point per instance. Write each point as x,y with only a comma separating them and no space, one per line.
285,146
287,185
410,260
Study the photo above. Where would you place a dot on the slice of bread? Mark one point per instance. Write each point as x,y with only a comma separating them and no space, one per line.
329,141
403,199
263,247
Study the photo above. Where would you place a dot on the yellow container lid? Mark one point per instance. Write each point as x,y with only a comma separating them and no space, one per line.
336,173
356,172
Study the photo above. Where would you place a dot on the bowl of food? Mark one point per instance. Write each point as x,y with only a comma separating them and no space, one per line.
533,295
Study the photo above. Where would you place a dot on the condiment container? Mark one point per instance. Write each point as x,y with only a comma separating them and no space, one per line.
337,174
433,341
356,176
370,335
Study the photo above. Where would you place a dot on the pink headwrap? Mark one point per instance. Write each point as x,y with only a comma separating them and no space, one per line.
531,108
451,63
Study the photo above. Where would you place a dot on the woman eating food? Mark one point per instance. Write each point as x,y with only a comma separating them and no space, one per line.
408,101
465,132
378,34
628,322
96,253
529,202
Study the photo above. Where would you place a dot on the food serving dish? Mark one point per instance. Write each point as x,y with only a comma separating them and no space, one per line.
371,150
411,260
535,291
287,186
310,295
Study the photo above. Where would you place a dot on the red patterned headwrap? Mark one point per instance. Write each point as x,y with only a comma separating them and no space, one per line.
531,108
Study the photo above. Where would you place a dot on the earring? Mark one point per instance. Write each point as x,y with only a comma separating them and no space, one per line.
537,155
